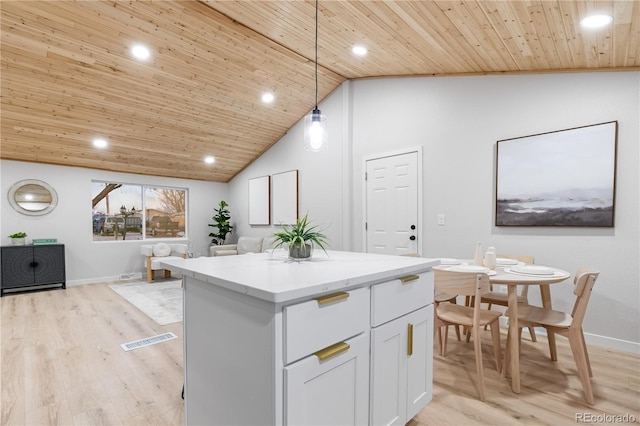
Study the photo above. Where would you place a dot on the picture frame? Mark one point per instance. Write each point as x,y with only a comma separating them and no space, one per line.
560,178
259,195
285,197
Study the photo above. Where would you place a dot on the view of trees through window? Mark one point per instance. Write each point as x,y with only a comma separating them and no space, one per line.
137,212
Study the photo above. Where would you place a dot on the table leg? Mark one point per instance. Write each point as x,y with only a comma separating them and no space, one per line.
514,343
545,294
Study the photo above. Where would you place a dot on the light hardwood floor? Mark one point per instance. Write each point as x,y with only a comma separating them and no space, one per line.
62,364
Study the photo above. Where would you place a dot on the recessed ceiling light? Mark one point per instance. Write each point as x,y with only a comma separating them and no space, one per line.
140,52
100,143
596,21
359,50
209,160
268,97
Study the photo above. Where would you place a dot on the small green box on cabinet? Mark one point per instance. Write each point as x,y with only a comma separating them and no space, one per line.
44,241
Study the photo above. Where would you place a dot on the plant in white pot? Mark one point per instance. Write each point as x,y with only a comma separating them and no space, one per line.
300,238
17,239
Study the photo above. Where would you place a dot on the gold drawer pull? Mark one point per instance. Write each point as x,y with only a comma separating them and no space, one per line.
331,298
409,339
409,278
331,351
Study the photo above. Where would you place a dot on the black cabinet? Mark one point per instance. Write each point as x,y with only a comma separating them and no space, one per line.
31,267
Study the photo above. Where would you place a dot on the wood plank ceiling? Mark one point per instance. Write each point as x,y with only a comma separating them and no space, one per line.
68,77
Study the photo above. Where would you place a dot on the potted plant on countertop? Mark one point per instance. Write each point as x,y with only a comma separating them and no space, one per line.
221,223
300,238
17,239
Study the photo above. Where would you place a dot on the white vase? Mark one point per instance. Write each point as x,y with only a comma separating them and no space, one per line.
478,259
490,258
17,241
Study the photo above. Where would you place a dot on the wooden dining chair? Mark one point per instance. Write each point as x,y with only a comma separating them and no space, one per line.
441,297
472,317
501,299
568,325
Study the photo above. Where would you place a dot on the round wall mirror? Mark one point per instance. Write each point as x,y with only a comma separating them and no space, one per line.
32,197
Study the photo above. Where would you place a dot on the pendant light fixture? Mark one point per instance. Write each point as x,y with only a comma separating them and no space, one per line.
315,124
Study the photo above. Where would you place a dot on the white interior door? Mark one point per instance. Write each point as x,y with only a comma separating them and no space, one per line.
392,204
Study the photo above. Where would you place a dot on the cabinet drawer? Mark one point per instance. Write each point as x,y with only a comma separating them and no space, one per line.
397,297
314,325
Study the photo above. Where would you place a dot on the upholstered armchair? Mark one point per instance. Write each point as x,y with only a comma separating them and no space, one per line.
161,251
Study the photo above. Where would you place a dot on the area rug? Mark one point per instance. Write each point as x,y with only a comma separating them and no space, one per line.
161,301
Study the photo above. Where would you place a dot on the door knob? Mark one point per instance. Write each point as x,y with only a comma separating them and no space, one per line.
413,227
412,238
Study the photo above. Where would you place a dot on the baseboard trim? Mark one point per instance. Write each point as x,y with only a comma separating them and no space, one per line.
115,278
593,339
93,280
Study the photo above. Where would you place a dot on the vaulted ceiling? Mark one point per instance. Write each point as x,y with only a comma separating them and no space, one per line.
68,76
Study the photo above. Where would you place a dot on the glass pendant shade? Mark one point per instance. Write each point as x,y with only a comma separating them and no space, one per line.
315,131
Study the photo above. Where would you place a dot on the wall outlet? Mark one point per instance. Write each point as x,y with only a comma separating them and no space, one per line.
441,219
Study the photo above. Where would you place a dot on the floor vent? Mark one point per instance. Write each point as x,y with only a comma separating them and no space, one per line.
131,276
148,341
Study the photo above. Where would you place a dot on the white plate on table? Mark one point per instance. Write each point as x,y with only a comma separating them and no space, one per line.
503,261
532,270
472,268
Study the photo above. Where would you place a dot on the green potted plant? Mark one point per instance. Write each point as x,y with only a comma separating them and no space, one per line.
17,239
300,238
221,223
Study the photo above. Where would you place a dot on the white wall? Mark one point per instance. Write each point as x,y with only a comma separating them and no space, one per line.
321,180
88,261
457,121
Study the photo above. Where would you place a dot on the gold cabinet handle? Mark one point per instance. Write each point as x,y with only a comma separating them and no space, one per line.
331,298
331,351
409,339
409,278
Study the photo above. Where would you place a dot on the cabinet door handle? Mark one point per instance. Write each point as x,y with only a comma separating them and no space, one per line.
409,278
331,351
409,339
331,298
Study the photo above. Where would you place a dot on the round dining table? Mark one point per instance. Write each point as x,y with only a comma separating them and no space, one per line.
504,275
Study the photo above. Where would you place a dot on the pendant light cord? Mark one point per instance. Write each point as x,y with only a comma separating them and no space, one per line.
316,54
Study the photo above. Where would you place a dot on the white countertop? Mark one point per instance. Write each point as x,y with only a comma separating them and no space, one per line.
272,277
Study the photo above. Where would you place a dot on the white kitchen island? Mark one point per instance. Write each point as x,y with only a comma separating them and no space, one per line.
344,338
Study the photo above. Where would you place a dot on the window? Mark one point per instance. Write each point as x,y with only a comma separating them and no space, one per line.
137,212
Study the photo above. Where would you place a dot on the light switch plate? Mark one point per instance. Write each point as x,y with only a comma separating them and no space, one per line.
441,219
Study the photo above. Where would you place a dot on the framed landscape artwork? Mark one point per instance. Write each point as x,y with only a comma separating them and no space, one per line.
561,178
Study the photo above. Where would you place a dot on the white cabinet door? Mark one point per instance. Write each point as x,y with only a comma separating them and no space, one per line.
420,363
330,392
388,373
401,367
